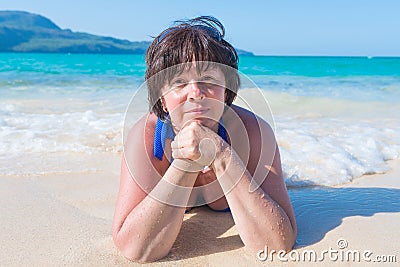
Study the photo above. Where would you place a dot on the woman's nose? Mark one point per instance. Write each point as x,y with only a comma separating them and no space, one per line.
195,91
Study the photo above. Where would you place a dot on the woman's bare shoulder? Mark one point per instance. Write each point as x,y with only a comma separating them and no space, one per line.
139,140
143,125
252,121
261,139
139,145
260,136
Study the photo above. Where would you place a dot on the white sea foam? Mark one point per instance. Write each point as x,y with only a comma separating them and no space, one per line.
70,131
325,141
328,151
322,141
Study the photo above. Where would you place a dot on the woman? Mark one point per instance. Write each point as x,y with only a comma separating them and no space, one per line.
195,147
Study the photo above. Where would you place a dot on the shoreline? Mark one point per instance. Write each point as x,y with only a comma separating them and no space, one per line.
65,219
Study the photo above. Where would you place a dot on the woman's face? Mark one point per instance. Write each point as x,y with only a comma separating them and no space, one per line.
195,96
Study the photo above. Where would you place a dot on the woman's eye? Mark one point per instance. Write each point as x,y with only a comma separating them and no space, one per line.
178,84
177,81
208,78
209,81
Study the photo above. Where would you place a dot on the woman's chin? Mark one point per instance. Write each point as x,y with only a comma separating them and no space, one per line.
202,119
207,122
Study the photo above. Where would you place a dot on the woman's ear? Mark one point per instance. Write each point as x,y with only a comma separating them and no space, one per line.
164,106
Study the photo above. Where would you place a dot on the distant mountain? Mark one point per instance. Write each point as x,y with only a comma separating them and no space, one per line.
244,52
26,32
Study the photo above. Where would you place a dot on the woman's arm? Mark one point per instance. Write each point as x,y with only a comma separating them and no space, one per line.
144,228
263,215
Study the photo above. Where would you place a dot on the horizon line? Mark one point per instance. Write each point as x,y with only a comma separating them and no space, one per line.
253,55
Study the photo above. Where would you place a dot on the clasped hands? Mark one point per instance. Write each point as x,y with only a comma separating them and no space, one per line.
195,147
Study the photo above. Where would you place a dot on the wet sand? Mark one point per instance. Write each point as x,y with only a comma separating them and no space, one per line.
65,219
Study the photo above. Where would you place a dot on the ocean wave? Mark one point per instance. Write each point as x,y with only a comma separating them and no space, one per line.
329,152
322,141
314,151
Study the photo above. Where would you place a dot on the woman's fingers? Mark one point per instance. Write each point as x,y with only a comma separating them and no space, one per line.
178,154
204,154
175,145
195,142
186,137
189,152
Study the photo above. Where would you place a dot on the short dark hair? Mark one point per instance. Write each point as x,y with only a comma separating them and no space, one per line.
201,39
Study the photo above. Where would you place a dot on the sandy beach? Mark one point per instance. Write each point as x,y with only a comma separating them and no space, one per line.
61,150
65,219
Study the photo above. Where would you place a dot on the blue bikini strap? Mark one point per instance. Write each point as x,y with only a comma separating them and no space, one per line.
162,132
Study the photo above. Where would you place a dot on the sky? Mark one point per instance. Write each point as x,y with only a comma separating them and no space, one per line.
269,27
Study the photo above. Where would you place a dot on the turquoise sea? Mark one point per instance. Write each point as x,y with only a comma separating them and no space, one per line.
335,118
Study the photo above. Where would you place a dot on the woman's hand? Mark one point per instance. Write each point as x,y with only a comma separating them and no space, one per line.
197,144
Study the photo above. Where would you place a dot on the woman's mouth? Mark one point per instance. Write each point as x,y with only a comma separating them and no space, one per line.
197,111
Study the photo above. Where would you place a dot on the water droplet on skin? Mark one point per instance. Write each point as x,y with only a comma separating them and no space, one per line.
261,196
138,236
272,228
272,210
160,211
283,238
265,204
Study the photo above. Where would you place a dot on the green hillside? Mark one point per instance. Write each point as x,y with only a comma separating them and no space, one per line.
26,32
